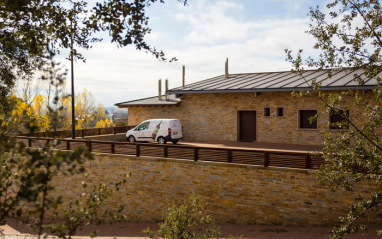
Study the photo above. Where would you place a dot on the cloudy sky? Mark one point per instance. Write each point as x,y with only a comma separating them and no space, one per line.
251,33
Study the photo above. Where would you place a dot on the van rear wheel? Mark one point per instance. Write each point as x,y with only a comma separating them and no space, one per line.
175,141
162,140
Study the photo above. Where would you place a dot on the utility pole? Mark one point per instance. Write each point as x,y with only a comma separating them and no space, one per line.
72,73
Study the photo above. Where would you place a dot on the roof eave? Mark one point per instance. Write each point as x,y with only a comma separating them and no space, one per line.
126,106
334,88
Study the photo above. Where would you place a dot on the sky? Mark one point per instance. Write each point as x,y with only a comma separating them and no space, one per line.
251,33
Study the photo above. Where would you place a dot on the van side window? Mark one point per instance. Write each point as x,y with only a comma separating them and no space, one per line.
143,126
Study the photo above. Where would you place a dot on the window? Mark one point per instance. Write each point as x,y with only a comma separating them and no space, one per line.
143,126
267,111
304,119
337,121
280,111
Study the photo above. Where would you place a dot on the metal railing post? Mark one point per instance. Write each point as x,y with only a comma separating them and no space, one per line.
67,144
229,155
307,161
89,145
114,131
99,131
165,151
196,154
138,150
82,133
112,148
266,159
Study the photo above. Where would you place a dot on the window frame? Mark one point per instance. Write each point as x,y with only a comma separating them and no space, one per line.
278,112
314,125
267,110
331,114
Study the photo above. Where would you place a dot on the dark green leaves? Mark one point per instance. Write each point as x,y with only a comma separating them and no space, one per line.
350,35
31,29
180,222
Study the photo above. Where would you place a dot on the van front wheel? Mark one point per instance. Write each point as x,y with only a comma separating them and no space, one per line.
162,140
131,139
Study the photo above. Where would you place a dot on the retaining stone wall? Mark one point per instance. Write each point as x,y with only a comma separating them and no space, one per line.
234,193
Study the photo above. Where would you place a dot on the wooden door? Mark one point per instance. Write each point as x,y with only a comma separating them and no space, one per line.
247,126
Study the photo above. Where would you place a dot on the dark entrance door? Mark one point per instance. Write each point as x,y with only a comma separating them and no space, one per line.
247,125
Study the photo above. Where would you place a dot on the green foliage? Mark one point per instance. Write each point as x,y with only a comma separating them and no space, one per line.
26,178
30,30
350,36
40,167
11,172
182,222
26,183
86,210
355,156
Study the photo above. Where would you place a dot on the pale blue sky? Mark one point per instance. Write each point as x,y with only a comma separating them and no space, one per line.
251,33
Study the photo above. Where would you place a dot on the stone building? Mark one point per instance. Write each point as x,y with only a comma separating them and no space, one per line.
253,106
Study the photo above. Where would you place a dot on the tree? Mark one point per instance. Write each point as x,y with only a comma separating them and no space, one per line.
181,222
87,113
31,32
36,113
25,116
350,36
31,29
102,117
26,178
40,112
64,117
27,175
21,114
85,107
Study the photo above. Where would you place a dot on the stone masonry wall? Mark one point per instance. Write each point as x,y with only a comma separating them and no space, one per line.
215,117
234,193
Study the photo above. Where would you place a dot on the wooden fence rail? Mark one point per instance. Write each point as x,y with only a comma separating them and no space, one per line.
228,155
81,133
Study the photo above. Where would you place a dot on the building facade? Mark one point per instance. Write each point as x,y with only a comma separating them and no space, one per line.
221,109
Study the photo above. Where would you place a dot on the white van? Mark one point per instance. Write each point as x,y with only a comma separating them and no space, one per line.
161,130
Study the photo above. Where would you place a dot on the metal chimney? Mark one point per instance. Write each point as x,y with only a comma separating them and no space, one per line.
159,89
166,89
184,75
226,68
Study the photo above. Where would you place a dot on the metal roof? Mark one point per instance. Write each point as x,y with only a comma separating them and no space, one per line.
280,81
151,101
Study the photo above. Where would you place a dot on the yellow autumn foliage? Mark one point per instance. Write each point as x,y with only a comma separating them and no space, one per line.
39,110
36,115
25,116
103,123
64,114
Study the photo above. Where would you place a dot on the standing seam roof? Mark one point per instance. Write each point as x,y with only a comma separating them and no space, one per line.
278,81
